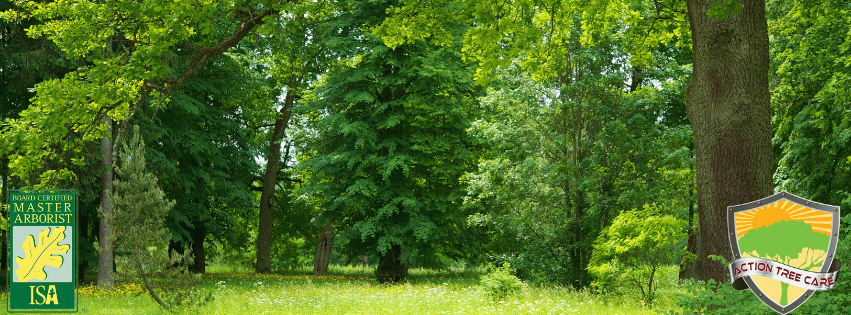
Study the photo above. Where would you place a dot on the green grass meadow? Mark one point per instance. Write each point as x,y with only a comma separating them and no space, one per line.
354,290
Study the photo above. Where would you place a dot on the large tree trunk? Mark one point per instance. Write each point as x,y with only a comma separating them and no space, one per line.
199,262
728,104
323,250
390,268
105,259
267,196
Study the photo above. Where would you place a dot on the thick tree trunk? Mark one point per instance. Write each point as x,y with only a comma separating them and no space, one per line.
105,259
323,250
728,105
267,196
199,262
390,268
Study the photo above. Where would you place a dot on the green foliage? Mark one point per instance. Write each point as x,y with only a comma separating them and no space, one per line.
838,299
541,32
500,283
295,236
139,231
199,146
132,50
811,51
565,156
24,62
390,142
718,298
810,76
634,247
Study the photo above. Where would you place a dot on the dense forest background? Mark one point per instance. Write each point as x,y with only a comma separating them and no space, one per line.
433,133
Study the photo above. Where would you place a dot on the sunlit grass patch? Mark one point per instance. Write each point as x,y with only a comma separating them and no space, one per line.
368,298
354,290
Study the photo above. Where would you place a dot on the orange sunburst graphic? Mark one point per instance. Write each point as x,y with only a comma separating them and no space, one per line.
779,211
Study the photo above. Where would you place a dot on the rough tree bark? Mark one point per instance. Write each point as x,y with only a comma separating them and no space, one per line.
323,250
267,196
728,104
105,259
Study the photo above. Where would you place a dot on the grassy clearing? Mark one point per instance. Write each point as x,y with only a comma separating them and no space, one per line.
353,290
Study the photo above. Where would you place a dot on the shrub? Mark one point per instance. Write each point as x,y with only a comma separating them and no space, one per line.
633,248
500,283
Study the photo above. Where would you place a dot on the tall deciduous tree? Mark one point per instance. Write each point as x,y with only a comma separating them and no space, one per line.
393,144
728,103
298,55
270,179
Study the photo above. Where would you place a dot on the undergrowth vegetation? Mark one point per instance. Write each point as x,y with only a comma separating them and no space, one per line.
354,290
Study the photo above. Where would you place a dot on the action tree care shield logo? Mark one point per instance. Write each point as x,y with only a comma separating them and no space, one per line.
42,251
783,247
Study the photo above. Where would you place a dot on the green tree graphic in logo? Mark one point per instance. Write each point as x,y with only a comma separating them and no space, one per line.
792,243
46,253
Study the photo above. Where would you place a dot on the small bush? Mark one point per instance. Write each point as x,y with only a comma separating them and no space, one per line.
633,249
500,283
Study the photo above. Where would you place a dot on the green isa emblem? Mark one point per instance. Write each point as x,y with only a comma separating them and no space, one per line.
42,251
783,247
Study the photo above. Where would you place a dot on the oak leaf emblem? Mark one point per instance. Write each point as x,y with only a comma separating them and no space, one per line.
45,254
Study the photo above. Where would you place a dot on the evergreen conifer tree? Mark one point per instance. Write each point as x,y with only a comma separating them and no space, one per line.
139,234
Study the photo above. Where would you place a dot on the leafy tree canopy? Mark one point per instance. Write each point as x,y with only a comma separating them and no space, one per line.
392,141
541,31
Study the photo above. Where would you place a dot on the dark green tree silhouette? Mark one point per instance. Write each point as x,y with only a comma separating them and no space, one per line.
785,242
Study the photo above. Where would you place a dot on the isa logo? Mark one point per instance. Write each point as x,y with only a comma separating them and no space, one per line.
783,247
42,250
